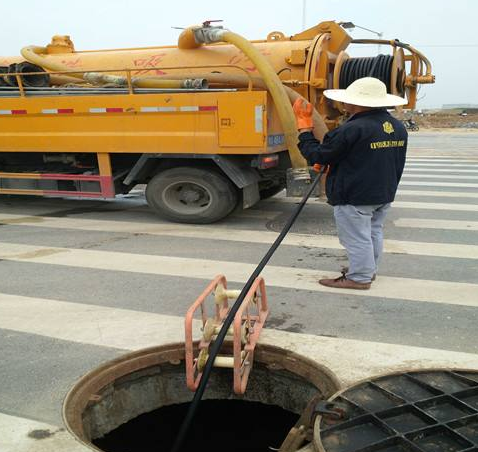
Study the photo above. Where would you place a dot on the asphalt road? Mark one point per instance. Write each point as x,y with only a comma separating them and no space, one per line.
58,254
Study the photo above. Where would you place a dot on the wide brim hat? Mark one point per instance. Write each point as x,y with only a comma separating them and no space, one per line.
365,92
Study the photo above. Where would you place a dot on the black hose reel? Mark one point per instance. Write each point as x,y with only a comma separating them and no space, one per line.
354,68
34,76
390,69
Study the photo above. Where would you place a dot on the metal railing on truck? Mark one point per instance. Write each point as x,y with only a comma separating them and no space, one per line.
25,91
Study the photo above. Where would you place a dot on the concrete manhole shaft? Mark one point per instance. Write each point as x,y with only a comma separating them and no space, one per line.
144,394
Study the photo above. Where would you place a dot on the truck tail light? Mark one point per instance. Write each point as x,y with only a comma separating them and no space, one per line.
268,161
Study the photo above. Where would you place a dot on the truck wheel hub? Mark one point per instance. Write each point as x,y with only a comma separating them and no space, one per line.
187,197
190,195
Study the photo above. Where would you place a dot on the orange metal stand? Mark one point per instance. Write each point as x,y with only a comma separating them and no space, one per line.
244,332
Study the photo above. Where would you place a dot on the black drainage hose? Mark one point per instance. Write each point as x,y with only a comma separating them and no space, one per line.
379,67
230,317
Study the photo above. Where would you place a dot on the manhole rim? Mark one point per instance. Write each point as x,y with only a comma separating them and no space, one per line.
78,397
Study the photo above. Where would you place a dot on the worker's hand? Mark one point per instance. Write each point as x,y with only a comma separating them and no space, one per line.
303,114
317,167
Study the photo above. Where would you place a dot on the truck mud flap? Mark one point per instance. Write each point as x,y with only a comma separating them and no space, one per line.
299,187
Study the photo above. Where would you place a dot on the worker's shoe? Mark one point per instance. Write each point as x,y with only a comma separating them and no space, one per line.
343,283
345,270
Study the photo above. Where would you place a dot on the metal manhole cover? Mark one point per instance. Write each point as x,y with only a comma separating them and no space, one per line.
425,411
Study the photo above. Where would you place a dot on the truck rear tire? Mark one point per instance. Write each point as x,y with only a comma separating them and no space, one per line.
191,195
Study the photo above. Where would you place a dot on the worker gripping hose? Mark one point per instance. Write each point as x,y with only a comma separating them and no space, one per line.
216,346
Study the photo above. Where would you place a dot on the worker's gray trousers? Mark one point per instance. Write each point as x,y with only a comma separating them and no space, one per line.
360,231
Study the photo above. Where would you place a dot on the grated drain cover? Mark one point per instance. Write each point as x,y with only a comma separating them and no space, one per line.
426,411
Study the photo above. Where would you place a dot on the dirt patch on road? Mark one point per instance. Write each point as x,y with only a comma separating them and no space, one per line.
448,121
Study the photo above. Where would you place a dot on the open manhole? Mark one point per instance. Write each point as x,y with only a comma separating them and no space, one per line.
422,411
137,402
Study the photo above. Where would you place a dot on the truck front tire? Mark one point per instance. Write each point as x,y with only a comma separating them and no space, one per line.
191,195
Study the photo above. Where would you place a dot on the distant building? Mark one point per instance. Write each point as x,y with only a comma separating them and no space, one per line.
451,106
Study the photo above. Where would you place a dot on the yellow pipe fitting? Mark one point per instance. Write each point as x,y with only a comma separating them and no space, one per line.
187,39
412,80
221,295
34,54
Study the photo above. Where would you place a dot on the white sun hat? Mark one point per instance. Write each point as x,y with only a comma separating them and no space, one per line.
366,92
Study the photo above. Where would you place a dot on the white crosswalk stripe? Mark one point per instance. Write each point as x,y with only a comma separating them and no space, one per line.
436,206
438,193
404,204
238,235
445,166
440,170
438,184
288,277
438,176
17,435
141,330
455,225
441,160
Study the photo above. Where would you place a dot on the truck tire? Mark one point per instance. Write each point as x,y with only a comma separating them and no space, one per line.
191,195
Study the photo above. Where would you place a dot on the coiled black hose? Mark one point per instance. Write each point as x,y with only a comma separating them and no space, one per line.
354,68
35,76
216,346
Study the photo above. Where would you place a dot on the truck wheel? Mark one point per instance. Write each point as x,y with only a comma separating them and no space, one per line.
191,195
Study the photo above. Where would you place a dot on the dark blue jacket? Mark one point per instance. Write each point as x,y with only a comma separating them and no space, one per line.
366,155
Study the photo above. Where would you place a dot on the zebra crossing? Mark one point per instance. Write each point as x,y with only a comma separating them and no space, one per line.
105,278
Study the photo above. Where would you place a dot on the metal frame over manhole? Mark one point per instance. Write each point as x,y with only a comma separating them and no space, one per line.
422,411
146,380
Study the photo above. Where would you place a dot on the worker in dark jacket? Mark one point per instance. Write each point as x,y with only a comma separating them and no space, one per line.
366,156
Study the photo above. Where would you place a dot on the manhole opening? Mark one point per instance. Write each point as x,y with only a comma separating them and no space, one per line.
137,402
232,425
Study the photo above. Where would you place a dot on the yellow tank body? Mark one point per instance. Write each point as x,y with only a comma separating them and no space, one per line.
300,59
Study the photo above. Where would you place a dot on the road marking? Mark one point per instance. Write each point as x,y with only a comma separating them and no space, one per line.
402,204
435,193
440,170
17,434
436,206
456,225
89,324
426,166
438,176
438,184
441,160
439,194
290,277
131,330
238,235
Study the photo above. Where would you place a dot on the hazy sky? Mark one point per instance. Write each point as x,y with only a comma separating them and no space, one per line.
445,31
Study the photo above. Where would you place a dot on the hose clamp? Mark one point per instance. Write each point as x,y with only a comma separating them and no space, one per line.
207,35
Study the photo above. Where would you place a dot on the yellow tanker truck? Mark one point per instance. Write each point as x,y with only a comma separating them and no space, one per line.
207,124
